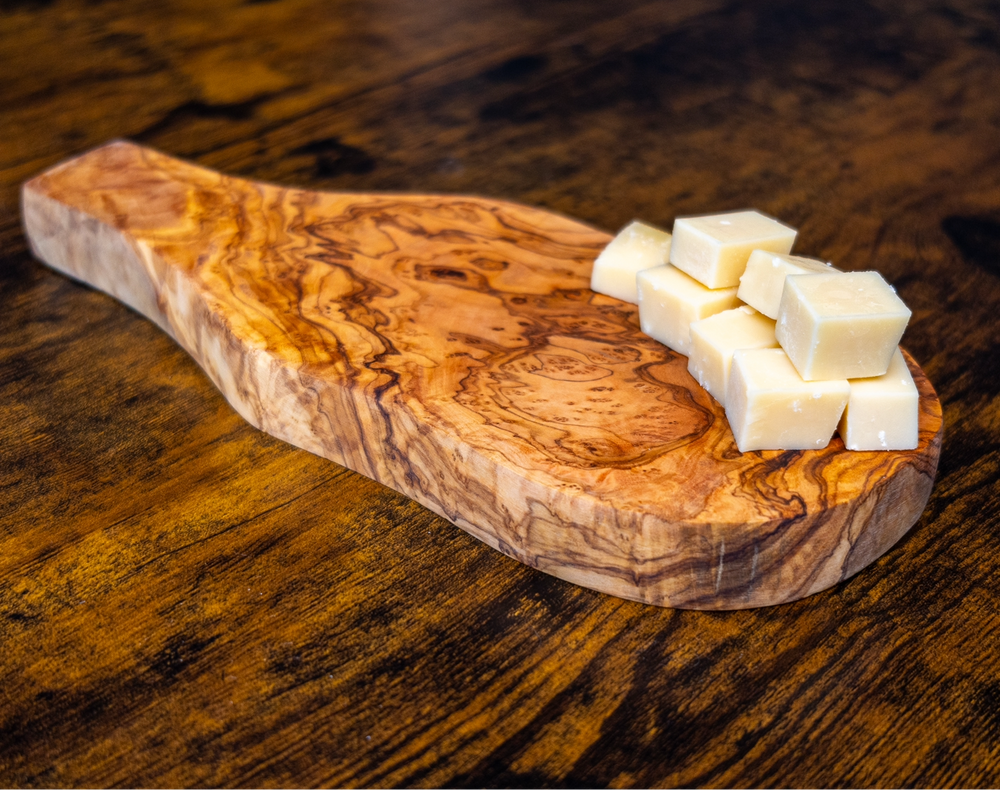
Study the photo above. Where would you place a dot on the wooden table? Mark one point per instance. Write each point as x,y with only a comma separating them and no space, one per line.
185,601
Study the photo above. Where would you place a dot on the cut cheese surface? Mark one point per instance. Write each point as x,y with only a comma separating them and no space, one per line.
764,278
841,325
770,407
714,249
883,412
669,301
714,339
637,246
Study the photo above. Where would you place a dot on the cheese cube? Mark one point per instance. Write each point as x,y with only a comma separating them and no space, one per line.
714,249
669,301
841,325
761,283
883,412
770,407
714,339
636,247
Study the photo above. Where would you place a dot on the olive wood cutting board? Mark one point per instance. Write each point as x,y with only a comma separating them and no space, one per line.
450,348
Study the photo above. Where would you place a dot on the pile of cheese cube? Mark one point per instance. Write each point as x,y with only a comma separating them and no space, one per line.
792,347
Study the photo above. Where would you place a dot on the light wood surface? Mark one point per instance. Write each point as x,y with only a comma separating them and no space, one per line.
450,347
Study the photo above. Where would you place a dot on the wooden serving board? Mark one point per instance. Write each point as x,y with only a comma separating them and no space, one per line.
450,348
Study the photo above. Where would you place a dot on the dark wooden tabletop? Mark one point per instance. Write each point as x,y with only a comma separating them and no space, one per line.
185,601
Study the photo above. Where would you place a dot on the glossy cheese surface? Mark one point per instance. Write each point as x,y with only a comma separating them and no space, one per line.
770,407
714,249
764,278
637,246
840,325
670,301
716,338
882,412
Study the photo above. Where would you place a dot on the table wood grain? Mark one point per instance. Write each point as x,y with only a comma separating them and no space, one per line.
185,601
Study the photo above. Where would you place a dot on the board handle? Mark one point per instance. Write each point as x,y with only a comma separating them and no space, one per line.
79,216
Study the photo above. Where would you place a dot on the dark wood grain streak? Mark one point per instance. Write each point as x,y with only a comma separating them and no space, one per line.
185,601
450,348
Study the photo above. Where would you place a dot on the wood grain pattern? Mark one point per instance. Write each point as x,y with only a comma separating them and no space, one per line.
186,601
449,347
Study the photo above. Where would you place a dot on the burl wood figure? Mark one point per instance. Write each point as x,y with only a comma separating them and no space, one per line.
450,348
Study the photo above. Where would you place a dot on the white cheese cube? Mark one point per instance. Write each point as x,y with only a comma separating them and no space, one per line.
669,301
883,412
714,339
714,249
761,283
841,325
636,247
770,407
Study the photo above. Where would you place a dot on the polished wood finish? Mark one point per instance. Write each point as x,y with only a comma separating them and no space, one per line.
186,601
450,348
